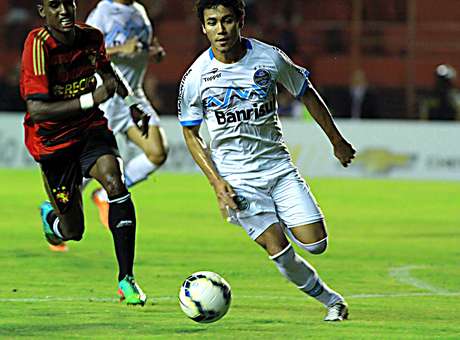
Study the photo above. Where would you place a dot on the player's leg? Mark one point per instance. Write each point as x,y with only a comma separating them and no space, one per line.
122,223
300,213
143,155
62,217
122,220
99,160
303,221
292,266
155,150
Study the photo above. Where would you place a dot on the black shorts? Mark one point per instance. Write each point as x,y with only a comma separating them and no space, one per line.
64,173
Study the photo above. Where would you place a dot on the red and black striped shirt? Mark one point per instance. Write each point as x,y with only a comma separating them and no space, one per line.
52,71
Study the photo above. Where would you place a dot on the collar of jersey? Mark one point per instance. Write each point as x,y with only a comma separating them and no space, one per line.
246,42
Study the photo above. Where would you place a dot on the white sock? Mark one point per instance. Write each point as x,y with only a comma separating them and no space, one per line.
304,276
138,169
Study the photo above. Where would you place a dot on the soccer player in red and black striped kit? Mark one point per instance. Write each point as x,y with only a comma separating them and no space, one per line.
67,134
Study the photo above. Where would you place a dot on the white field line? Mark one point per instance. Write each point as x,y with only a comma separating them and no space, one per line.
261,297
403,275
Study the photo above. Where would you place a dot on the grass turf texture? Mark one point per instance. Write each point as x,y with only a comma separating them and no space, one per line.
393,253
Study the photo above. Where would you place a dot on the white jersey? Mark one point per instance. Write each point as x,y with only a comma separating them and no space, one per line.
238,103
120,23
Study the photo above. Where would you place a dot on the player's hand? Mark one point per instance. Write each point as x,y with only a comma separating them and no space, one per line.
225,195
105,91
140,118
157,52
131,46
344,152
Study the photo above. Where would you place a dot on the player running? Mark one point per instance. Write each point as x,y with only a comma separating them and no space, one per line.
233,87
68,136
131,44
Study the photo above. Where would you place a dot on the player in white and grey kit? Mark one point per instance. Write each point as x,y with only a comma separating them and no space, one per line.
233,88
131,43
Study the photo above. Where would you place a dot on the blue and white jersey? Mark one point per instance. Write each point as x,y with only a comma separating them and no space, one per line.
119,23
238,103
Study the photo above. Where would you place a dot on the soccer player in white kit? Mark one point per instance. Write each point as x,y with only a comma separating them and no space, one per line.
233,87
131,44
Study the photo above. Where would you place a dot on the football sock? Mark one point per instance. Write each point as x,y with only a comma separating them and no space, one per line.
53,221
122,223
304,276
138,169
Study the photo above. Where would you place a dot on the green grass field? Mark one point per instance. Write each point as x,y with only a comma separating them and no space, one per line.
394,254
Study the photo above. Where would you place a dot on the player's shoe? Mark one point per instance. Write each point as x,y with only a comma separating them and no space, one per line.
55,242
130,292
337,312
102,206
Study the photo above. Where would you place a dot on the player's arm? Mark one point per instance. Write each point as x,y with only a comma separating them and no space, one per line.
110,73
343,150
200,154
47,110
131,46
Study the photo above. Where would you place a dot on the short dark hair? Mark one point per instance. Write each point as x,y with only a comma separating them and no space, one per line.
237,7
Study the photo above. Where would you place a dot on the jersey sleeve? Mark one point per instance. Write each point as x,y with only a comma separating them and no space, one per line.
34,80
293,77
189,103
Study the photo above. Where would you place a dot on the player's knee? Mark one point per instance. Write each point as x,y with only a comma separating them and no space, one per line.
284,256
158,158
114,186
316,248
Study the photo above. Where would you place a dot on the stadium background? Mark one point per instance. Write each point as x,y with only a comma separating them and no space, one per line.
396,44
394,235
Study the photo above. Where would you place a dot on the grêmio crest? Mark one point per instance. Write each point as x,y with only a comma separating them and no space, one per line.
262,78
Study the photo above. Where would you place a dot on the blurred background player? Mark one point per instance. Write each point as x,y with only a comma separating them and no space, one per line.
444,101
233,87
131,44
67,134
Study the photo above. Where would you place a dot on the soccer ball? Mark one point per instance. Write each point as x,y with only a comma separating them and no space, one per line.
205,297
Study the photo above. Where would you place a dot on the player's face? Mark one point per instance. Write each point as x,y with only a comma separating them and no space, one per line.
222,28
59,14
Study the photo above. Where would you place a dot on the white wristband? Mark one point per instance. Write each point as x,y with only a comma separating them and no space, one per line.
86,101
130,100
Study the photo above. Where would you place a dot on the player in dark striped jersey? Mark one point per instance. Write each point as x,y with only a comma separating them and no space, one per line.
68,136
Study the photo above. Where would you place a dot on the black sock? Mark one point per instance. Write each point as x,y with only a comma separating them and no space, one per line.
122,223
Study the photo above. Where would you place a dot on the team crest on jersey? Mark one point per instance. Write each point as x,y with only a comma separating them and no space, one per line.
262,78
62,195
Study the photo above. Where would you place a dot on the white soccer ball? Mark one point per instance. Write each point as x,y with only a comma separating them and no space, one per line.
205,297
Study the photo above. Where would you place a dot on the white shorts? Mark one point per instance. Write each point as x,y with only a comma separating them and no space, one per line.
119,116
286,199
